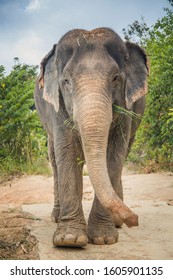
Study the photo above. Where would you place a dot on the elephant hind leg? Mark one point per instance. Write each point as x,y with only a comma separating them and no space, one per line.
56,208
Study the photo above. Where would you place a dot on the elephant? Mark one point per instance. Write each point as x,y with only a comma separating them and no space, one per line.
82,80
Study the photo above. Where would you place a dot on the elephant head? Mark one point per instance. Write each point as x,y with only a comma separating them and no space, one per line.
92,70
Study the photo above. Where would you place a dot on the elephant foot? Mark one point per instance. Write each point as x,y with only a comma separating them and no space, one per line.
70,236
101,234
55,214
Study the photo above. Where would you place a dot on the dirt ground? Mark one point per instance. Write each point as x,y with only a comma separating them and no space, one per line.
26,229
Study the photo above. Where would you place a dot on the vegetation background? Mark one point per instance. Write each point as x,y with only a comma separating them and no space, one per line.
23,140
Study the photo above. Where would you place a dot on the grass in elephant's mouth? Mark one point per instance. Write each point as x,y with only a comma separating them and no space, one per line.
122,111
116,109
69,122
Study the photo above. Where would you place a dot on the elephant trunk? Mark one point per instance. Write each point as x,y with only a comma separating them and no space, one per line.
93,115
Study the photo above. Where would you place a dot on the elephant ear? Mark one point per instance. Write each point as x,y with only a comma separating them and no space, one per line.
137,70
48,78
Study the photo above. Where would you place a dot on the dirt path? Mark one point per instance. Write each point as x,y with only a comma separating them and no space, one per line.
150,196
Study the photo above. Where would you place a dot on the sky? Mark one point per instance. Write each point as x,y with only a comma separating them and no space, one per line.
29,28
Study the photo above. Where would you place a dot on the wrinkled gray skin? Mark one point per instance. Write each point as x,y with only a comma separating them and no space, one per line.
81,79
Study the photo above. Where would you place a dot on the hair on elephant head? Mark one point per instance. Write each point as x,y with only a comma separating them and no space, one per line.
83,77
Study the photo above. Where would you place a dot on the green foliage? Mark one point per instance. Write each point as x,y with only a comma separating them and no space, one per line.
154,142
22,139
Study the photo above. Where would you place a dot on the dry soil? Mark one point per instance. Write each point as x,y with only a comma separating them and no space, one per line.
26,229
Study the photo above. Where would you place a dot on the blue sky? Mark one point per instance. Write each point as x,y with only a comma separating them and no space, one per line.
29,28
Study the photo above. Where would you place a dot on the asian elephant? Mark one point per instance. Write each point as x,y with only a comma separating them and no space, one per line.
83,79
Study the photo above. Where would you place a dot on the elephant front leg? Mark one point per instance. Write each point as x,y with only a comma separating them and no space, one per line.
56,208
101,228
115,167
71,227
117,151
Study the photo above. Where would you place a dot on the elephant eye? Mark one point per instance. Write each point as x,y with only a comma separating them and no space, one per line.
66,81
115,78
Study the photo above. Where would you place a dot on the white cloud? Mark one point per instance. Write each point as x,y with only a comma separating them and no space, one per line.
33,5
28,48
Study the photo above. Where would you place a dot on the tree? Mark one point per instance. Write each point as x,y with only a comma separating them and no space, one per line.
160,49
155,136
22,139
137,32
